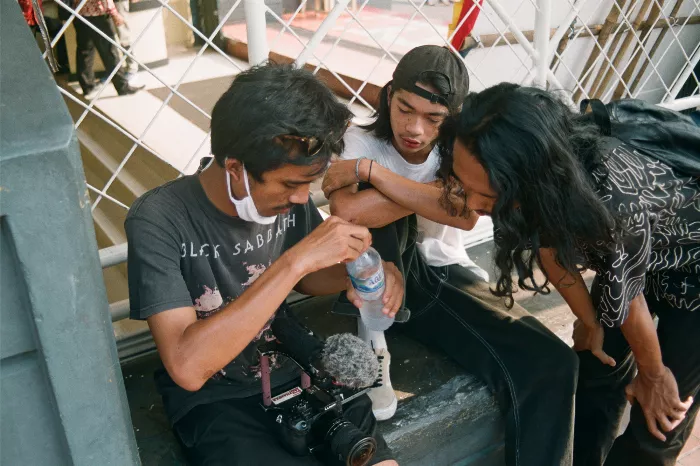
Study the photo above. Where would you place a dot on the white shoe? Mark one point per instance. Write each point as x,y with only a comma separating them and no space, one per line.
383,398
133,79
92,94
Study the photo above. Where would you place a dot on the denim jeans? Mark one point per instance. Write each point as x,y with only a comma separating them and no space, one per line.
530,371
601,402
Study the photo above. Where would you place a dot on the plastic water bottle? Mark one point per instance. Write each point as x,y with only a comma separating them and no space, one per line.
367,276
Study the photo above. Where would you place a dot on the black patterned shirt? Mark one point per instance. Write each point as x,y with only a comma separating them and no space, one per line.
661,255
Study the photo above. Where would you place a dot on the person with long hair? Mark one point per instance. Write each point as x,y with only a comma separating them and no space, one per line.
387,181
564,198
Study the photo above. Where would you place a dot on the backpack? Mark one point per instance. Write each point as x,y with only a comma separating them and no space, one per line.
660,133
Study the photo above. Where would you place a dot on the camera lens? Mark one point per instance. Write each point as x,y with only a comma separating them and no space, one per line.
347,443
362,452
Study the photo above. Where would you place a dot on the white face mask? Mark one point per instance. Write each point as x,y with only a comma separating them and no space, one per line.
246,207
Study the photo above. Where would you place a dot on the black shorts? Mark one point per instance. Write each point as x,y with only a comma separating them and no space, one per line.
239,433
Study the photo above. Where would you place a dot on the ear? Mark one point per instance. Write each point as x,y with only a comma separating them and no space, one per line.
235,168
388,95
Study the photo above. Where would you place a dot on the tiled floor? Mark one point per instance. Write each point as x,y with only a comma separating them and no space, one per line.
691,453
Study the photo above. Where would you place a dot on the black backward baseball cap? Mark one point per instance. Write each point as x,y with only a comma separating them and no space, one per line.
428,62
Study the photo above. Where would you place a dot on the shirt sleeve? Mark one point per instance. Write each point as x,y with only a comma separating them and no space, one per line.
355,146
623,275
156,283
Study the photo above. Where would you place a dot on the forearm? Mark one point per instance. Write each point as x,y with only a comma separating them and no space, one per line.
207,345
369,207
640,333
571,287
324,282
423,199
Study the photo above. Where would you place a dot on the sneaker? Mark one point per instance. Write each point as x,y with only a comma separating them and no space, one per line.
383,398
133,79
92,93
129,89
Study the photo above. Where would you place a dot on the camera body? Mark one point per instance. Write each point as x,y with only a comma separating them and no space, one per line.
309,418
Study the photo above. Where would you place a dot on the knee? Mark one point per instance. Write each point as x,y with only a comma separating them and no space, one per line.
558,360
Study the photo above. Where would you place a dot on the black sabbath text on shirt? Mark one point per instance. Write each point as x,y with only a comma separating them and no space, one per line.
258,241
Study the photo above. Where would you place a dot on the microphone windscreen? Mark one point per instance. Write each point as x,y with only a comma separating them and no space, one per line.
350,361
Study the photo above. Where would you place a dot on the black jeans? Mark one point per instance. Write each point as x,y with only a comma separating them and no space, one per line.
600,401
87,41
531,372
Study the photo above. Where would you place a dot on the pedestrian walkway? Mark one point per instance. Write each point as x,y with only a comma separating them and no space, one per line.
382,28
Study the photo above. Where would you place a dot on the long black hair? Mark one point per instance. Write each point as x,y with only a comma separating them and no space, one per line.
381,126
539,157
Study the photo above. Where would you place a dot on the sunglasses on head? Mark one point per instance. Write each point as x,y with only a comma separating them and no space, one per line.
311,145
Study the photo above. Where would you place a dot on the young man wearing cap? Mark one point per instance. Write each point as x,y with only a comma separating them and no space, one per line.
388,174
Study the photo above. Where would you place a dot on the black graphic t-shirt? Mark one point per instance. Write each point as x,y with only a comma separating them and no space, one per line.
183,252
661,255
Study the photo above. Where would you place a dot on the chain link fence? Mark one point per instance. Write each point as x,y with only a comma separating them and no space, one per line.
606,49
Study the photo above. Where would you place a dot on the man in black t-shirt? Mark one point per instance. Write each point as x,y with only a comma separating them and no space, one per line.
213,256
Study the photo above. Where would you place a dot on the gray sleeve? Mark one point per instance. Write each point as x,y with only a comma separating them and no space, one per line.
356,146
156,283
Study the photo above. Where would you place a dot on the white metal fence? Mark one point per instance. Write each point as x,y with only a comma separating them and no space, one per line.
607,49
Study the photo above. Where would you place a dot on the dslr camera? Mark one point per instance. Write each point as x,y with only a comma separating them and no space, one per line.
309,417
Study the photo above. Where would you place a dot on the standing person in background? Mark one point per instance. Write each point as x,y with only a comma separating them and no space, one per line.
395,160
103,15
124,34
562,195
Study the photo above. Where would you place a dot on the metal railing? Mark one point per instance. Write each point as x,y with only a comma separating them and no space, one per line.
604,49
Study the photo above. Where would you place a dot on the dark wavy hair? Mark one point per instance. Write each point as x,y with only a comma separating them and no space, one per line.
539,157
274,100
381,126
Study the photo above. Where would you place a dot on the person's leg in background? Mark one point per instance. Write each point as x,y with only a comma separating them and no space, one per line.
85,57
531,372
678,331
109,53
124,33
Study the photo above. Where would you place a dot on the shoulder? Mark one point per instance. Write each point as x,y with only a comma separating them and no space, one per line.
360,142
161,206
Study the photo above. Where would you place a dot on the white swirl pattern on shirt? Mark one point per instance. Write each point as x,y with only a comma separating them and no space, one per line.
661,256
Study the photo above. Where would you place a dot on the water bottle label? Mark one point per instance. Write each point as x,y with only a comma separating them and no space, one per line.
370,284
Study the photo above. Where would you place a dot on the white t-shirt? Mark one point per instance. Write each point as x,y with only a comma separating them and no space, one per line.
439,244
